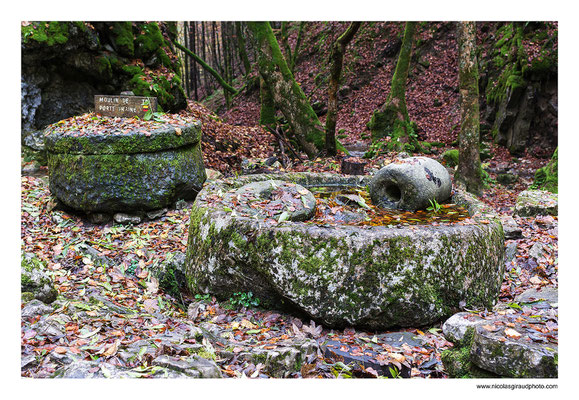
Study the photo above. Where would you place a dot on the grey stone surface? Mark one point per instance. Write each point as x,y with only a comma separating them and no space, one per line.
410,184
538,251
514,358
34,282
98,173
454,328
345,275
510,251
194,366
548,294
35,307
124,218
536,202
510,227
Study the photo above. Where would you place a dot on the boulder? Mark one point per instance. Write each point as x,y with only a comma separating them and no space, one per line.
410,184
127,172
503,343
34,282
343,275
512,357
549,295
510,227
536,202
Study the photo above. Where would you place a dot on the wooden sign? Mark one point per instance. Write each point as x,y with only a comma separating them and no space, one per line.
124,106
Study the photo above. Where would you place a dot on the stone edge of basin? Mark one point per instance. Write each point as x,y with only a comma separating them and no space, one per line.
124,143
479,212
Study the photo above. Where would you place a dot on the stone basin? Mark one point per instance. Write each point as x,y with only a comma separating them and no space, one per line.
124,172
373,277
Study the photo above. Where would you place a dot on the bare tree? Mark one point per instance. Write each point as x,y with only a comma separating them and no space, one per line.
469,173
336,62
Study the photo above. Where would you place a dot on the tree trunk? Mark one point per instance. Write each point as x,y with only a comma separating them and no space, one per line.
205,66
469,173
336,61
297,47
392,119
241,48
267,110
192,65
287,94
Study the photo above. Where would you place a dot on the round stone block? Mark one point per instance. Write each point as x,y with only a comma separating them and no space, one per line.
410,184
125,172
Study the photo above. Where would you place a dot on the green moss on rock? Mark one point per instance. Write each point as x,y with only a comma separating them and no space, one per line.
50,33
451,157
547,177
343,276
126,182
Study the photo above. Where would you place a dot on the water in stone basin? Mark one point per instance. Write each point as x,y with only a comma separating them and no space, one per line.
353,206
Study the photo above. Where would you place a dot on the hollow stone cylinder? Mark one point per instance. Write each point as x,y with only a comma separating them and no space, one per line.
410,184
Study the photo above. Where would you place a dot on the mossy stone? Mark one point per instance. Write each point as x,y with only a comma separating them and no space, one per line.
344,275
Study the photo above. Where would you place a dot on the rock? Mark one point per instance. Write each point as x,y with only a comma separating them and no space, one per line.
129,172
193,366
536,202
502,343
82,369
547,294
450,157
99,218
35,307
546,222
94,254
64,64
510,252
344,91
409,276
410,184
181,204
510,228
52,328
455,328
339,351
123,218
34,282
155,214
538,251
284,360
170,274
511,357
507,179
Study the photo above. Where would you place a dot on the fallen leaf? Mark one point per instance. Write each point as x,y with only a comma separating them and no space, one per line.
513,334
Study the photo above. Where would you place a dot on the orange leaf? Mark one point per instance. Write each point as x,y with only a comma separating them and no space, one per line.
513,334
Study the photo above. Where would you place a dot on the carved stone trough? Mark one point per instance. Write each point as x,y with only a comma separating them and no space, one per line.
374,277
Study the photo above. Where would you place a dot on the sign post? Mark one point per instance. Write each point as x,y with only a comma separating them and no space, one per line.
124,106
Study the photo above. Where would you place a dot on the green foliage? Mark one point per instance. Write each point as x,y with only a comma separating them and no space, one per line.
547,178
203,297
434,206
244,299
451,157
51,33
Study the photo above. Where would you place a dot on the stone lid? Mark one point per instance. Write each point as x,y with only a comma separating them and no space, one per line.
134,141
